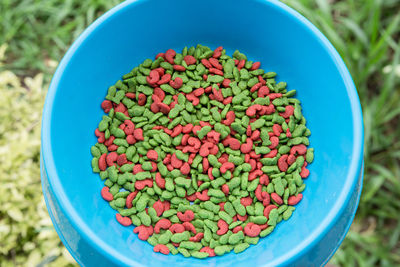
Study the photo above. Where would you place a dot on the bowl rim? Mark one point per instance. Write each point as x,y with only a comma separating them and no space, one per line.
98,244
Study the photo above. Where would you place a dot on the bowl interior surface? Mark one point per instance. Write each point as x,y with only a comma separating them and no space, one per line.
265,32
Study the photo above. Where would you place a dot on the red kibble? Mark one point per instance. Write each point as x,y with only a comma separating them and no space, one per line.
161,248
130,95
163,108
142,231
125,221
185,169
299,149
275,197
152,155
137,168
113,148
120,108
192,197
258,193
223,227
175,162
164,79
237,229
268,209
293,200
160,55
177,228
170,55
254,174
233,143
138,134
274,95
162,224
142,99
225,189
130,139
246,201
102,162
215,63
190,60
288,133
291,159
109,141
177,83
217,52
166,205
277,129
255,65
271,154
252,229
216,71
179,68
247,147
111,158
274,142
230,118
139,185
159,208
208,250
266,198
263,91
129,127
289,110
106,105
153,77
177,130
227,166
121,160
226,82
255,135
203,196
241,64
282,163
130,198
264,179
304,172
159,93
189,227
255,87
154,166
105,193
206,63
185,217
100,136
241,218
252,110
197,238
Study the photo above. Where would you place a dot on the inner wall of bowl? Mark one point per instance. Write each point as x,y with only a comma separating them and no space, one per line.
260,30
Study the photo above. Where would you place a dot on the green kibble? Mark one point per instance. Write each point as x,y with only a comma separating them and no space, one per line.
241,247
190,123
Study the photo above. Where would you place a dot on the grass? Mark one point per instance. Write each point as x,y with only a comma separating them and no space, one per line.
367,36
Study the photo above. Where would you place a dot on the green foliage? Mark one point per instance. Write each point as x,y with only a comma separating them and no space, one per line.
38,31
27,236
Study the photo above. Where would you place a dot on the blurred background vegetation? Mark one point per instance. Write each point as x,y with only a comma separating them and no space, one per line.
34,34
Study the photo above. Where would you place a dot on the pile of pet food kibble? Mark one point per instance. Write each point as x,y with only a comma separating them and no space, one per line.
202,152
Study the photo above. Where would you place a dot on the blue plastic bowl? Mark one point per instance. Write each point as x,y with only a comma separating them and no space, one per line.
268,31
